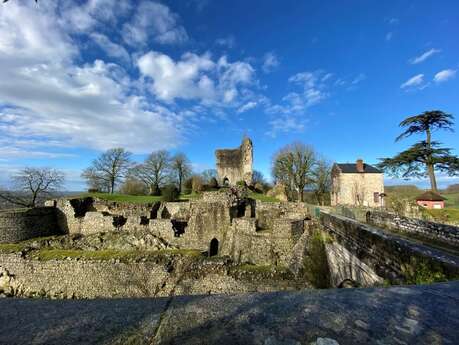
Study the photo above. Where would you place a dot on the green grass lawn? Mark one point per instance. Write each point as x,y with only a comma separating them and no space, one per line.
262,197
452,200
138,199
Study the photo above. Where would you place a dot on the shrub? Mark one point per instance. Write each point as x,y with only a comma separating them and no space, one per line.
241,184
133,187
93,190
170,193
213,183
155,190
197,184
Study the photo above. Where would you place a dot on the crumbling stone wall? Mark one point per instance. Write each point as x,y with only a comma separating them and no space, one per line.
165,276
20,225
441,232
234,165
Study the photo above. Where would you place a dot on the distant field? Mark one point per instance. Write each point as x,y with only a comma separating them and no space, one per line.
262,197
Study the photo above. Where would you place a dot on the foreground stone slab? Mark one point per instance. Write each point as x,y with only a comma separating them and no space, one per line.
397,315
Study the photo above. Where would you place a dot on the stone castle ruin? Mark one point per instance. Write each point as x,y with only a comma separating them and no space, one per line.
234,165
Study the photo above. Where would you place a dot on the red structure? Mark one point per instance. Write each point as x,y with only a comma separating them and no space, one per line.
431,200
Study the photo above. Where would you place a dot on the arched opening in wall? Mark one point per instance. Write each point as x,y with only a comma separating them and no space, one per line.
213,248
368,217
348,283
226,182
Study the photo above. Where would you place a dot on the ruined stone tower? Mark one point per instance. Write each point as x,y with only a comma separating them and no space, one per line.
235,165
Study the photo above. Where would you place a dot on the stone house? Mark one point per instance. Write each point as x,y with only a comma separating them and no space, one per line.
358,184
234,165
431,199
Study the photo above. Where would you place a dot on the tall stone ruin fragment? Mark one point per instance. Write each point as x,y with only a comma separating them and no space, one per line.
234,165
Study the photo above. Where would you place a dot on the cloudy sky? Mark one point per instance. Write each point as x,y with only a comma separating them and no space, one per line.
80,77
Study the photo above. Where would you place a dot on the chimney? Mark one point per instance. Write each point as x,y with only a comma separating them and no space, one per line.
359,166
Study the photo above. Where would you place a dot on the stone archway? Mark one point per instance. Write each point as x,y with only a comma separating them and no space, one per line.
213,247
226,182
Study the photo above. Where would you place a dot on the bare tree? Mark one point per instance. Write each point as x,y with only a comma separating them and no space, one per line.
30,184
257,177
322,180
293,166
180,168
154,172
208,175
109,169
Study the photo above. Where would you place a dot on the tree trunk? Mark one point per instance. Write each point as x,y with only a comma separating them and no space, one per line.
112,185
433,180
430,166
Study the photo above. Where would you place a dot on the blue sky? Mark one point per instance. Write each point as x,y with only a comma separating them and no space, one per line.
79,77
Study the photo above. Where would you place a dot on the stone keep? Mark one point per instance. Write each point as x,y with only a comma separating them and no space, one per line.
235,165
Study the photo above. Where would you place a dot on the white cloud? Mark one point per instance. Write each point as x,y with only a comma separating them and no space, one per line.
156,21
285,124
248,106
270,62
424,56
46,96
53,102
415,81
445,75
111,48
195,77
228,42
389,36
361,77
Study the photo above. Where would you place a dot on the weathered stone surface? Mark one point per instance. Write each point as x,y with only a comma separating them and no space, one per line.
234,165
161,275
422,315
20,225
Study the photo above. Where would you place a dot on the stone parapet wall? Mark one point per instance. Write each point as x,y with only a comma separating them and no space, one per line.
385,254
441,232
20,225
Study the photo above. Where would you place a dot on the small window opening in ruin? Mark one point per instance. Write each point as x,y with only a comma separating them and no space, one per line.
165,214
376,197
144,220
179,227
241,210
368,216
119,221
213,248
81,206
226,182
154,211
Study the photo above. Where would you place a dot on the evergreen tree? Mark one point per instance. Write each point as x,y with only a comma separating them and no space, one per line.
425,157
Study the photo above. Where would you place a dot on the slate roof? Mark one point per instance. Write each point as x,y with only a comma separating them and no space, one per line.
351,168
430,196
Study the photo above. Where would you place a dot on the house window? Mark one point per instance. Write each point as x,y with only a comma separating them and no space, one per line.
376,197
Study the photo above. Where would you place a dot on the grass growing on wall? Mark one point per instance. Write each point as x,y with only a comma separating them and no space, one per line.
109,254
422,271
8,248
262,197
316,270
